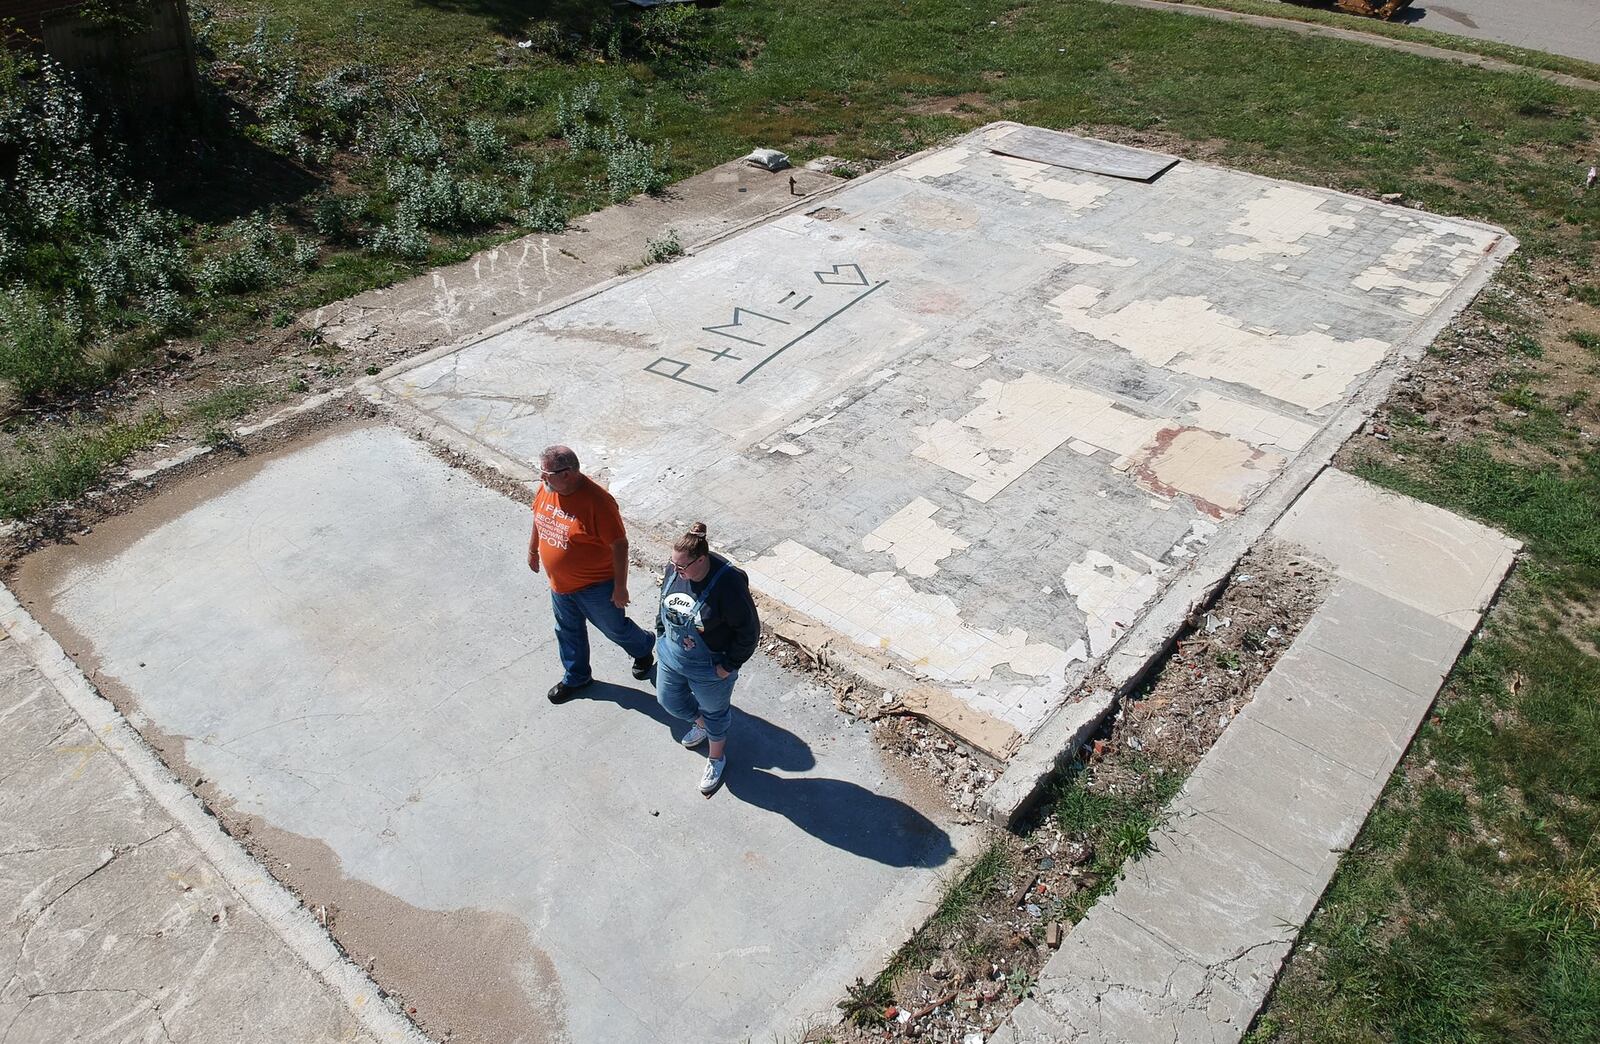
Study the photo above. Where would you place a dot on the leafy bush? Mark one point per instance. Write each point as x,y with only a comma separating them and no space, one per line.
673,32
336,217
574,113
631,168
401,236
440,199
547,213
663,248
84,248
41,344
253,265
485,140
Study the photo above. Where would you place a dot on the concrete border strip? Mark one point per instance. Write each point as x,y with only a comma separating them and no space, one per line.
275,904
1392,43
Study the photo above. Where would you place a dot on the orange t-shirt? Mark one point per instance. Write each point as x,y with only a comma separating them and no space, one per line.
576,532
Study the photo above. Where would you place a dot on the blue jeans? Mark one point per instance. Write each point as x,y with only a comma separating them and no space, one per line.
689,691
592,604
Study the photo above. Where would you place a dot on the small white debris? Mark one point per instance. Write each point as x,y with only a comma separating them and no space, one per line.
770,159
525,44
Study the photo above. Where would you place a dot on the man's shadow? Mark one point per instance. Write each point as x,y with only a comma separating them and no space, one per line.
843,814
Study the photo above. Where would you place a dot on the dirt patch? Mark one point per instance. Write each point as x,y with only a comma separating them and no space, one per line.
1213,671
1507,372
972,103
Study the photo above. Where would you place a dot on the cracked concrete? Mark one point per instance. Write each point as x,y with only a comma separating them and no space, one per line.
113,926
1188,946
1045,362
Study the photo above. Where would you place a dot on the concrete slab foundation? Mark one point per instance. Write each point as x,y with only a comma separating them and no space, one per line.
989,425
976,415
345,643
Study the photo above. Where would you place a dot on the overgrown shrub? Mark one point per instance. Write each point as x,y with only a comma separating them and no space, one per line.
42,344
631,168
336,217
402,236
663,248
547,213
252,265
441,199
485,140
84,249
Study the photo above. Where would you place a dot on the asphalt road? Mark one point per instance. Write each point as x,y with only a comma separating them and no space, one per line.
1569,27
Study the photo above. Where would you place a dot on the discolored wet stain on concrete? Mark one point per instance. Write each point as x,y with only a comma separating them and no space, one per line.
461,975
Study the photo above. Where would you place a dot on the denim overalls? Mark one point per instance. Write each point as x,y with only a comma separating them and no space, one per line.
687,685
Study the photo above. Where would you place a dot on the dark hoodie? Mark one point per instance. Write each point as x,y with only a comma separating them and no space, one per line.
728,620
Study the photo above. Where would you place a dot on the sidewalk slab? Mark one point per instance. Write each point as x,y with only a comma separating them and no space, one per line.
1342,711
1188,945
1281,795
1431,559
344,641
113,926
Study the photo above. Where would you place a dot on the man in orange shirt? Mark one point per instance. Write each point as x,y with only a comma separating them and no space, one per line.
579,541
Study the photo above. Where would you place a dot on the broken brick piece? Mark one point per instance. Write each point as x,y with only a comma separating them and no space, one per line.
1052,935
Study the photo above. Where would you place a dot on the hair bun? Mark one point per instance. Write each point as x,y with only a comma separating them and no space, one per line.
698,529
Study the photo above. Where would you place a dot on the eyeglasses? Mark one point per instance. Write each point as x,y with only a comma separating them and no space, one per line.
553,474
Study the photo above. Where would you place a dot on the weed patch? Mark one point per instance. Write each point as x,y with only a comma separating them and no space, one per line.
34,476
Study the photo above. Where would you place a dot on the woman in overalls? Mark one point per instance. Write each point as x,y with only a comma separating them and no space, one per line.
706,629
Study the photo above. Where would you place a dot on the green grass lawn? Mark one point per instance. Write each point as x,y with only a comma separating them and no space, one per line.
376,139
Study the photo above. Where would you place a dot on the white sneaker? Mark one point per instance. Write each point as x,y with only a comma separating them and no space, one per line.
694,737
713,777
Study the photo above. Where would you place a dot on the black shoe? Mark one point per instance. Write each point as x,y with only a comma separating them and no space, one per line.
561,692
643,666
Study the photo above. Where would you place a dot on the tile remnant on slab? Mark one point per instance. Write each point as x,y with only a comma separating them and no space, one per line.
1053,362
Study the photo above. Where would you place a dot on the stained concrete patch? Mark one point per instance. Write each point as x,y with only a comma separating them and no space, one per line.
344,640
1047,362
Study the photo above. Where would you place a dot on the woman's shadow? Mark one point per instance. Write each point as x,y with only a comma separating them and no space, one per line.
843,814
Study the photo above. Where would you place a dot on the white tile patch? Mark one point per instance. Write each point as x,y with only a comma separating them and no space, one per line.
1276,221
1190,335
914,540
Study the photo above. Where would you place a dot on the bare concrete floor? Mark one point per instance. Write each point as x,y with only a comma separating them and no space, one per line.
975,413
345,643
